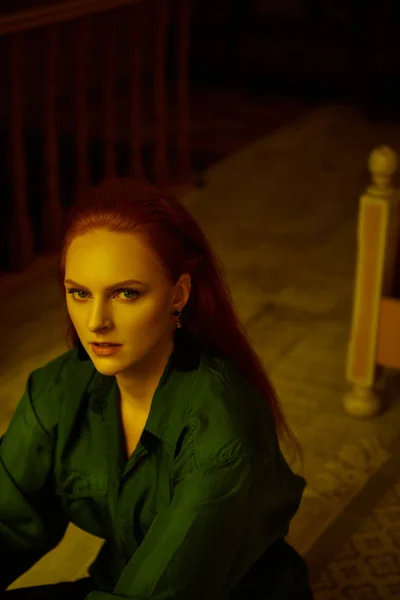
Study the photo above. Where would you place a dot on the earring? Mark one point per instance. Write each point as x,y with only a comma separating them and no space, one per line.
177,314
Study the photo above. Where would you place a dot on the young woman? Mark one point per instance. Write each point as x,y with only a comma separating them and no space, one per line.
158,430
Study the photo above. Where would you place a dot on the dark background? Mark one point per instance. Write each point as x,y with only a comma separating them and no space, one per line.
340,48
259,61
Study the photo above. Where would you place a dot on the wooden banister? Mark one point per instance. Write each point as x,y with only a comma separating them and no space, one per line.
147,26
160,15
83,37
52,214
183,166
109,97
136,64
25,20
21,237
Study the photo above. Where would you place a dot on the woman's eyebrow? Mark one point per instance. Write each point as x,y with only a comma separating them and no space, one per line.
109,287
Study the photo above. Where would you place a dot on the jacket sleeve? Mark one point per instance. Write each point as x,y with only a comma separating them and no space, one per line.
218,524
31,519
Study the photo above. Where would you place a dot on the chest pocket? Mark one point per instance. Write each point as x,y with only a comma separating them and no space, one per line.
84,498
82,484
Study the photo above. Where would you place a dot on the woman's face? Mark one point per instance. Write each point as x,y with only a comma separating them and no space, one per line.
137,314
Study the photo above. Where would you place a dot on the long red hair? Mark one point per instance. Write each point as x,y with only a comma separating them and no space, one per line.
122,205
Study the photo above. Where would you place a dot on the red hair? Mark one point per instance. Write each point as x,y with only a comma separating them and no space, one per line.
122,205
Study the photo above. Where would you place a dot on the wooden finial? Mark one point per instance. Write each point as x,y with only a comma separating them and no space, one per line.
382,164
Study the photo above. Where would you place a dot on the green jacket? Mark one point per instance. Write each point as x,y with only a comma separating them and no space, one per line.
206,493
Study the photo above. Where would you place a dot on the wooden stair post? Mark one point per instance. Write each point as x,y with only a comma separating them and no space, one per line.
378,231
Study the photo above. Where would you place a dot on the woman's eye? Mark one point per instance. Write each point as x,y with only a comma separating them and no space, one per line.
133,293
75,291
130,291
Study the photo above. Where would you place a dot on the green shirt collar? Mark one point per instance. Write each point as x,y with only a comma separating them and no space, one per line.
175,383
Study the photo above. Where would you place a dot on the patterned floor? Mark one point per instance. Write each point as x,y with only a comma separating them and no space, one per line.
368,566
364,543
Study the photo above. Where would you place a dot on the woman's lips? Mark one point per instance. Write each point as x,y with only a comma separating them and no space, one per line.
105,350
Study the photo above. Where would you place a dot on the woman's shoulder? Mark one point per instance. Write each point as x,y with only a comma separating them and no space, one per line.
59,371
226,382
64,376
226,410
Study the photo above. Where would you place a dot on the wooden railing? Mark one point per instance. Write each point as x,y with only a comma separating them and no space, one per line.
374,342
131,55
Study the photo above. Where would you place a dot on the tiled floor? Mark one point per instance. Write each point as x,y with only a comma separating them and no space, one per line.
359,556
281,213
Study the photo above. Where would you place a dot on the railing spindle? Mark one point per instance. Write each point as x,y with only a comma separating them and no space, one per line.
136,90
52,215
80,97
183,158
109,41
160,16
21,236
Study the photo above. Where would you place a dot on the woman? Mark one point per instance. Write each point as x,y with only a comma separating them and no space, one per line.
157,430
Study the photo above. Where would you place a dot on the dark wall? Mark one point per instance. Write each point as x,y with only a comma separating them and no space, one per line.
348,48
8,6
